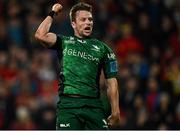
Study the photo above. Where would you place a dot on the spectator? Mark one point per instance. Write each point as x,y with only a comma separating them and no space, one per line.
128,43
23,120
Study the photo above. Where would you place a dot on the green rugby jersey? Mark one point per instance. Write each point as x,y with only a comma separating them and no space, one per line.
81,61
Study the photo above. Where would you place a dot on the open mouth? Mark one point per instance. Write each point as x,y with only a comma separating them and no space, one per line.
87,28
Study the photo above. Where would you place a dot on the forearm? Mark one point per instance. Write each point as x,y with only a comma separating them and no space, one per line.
113,96
44,27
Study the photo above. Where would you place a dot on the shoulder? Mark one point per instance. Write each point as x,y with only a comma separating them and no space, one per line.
104,45
100,43
107,50
97,41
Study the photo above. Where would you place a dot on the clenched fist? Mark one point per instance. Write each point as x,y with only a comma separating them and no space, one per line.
113,120
57,8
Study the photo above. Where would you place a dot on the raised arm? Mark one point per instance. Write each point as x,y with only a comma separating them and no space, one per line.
113,95
48,39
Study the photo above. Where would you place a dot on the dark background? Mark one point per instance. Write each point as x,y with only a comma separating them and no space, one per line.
145,36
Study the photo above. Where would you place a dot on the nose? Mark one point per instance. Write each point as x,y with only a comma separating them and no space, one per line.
89,22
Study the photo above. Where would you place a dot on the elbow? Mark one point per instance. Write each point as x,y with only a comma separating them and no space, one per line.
38,36
42,39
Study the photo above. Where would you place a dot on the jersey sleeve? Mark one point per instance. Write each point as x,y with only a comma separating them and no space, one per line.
110,66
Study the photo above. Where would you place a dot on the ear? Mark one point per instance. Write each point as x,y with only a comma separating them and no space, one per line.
73,24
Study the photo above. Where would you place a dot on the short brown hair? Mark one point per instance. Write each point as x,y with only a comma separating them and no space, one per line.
77,7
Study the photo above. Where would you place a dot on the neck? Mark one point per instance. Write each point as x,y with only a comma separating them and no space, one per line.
78,36
81,37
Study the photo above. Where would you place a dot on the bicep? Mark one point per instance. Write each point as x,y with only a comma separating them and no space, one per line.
48,40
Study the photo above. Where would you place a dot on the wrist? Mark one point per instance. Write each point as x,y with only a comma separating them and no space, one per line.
51,14
114,113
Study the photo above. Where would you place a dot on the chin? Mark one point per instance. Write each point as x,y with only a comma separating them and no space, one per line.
87,34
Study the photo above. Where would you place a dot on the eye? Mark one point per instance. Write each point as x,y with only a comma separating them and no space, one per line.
83,19
90,19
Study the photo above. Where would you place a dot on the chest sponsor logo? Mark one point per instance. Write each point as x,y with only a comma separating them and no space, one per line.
80,54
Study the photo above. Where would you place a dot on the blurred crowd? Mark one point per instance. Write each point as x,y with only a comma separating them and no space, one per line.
145,36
